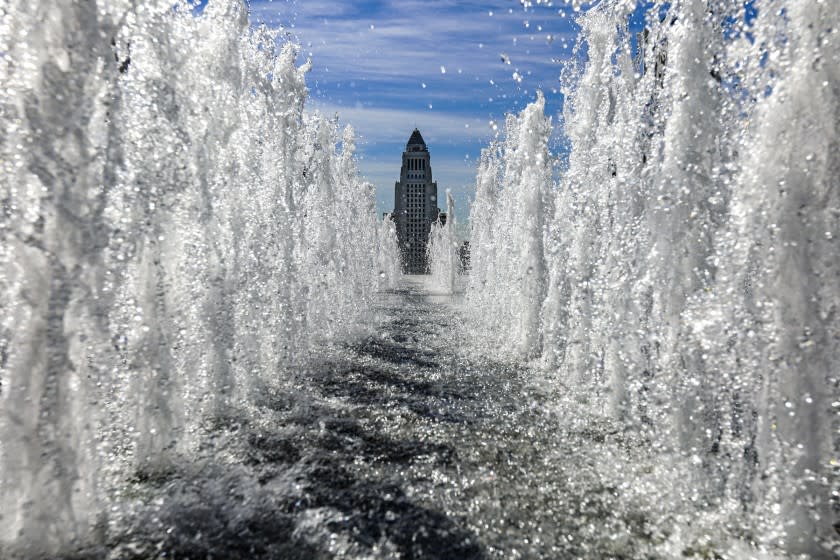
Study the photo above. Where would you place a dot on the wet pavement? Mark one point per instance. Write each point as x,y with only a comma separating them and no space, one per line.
405,444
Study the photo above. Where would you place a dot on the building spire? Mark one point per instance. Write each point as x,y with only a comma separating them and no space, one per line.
416,139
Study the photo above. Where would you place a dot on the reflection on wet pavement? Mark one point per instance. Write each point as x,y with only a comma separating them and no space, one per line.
402,445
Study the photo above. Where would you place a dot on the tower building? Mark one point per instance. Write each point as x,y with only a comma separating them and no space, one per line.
415,204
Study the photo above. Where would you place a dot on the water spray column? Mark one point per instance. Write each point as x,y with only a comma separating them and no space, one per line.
451,242
55,341
532,188
787,207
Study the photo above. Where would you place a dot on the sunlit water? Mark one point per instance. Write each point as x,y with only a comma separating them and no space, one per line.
677,276
206,351
404,444
177,233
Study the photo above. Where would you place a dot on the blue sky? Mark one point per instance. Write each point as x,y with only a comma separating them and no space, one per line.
451,68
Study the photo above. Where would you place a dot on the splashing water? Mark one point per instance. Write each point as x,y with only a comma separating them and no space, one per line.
680,280
443,251
508,216
176,232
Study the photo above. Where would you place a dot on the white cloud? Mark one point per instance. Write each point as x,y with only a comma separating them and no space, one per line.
410,38
395,125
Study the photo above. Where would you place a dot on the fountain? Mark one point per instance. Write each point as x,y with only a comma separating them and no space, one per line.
510,212
685,280
443,251
177,231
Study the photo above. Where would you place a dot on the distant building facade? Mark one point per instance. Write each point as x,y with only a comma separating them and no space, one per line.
415,204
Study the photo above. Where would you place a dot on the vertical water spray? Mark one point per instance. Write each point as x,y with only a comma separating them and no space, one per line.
508,220
388,257
443,250
174,226
689,262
